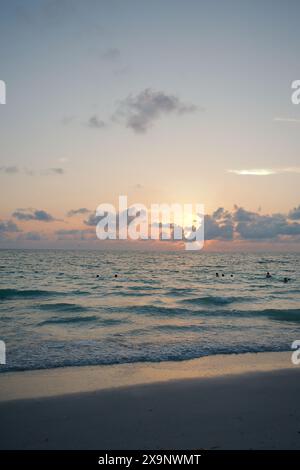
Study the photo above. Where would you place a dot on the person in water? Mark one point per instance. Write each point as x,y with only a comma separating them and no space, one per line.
268,275
286,279
217,274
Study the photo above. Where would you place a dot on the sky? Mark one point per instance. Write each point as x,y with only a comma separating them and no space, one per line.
174,101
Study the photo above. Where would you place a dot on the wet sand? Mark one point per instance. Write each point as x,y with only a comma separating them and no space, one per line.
221,402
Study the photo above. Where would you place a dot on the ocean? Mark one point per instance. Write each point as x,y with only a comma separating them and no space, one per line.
163,306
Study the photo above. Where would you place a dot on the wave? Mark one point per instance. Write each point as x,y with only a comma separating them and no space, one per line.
123,293
83,319
63,307
292,315
142,357
4,318
179,291
215,300
27,293
156,310
58,320
289,291
77,292
6,294
274,261
112,321
144,286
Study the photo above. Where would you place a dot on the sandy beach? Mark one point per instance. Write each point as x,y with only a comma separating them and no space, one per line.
149,229
247,401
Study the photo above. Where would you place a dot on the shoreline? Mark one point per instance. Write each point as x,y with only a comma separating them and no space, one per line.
244,402
44,383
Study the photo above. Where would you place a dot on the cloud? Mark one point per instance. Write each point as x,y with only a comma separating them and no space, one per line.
265,171
80,211
219,225
68,232
92,220
254,226
139,112
284,119
58,171
10,170
66,120
112,54
77,234
33,214
242,215
95,123
254,172
294,214
32,236
8,226
261,227
238,224
13,170
241,224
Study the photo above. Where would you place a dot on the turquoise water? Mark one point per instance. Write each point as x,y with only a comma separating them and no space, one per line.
55,312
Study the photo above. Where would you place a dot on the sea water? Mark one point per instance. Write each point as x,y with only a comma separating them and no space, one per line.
162,306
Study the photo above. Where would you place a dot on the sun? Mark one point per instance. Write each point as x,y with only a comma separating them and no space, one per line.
190,219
